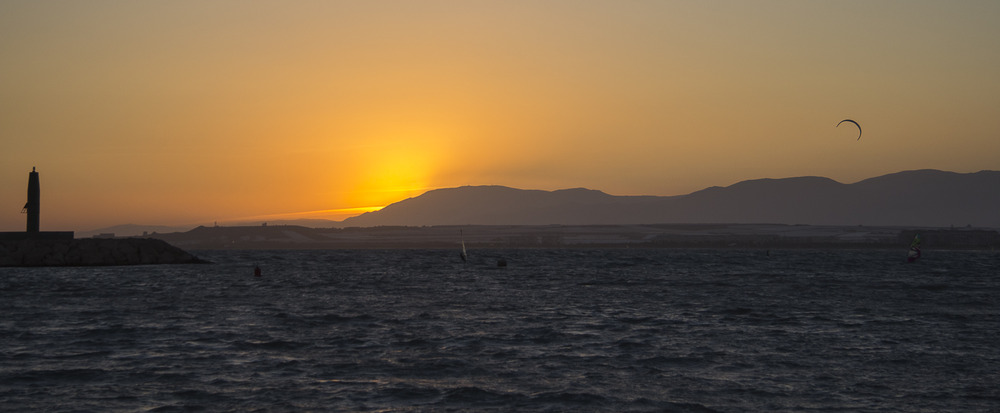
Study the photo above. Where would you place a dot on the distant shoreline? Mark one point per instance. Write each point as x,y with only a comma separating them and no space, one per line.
742,236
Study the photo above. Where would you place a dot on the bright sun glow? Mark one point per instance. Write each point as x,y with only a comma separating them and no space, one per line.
330,214
396,169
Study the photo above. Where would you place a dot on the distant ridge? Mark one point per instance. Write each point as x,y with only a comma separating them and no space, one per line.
910,198
131,230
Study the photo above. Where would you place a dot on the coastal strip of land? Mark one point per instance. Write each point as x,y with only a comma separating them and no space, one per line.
580,236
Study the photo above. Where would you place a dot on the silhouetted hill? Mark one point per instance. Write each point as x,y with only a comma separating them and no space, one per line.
911,198
498,205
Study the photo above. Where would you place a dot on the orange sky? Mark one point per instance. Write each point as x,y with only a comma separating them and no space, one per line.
188,112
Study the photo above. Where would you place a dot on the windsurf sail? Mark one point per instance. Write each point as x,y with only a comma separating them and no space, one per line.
465,256
914,251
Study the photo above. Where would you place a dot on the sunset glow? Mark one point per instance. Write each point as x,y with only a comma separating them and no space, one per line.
195,112
331,214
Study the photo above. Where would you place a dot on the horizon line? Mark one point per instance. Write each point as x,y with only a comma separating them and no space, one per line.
336,211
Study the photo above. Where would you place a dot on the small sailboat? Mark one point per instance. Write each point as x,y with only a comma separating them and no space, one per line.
914,251
464,255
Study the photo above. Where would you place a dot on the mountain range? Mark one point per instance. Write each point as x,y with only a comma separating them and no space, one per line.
922,198
928,198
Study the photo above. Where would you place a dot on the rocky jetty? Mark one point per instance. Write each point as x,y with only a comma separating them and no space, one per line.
91,252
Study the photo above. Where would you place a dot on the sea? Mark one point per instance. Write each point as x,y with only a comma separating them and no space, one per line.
617,330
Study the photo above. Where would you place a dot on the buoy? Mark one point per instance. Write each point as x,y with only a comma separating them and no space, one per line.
256,271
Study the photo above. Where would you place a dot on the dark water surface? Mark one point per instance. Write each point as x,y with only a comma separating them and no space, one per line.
556,330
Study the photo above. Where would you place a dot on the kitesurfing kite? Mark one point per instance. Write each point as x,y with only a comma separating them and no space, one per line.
855,124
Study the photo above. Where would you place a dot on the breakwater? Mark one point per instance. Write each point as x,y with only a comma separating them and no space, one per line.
91,252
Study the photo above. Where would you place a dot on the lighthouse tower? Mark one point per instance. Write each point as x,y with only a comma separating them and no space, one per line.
34,201
32,208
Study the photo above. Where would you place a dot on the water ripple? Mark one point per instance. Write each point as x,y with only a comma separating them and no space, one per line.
557,330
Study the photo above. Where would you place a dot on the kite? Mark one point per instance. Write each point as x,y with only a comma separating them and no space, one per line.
855,124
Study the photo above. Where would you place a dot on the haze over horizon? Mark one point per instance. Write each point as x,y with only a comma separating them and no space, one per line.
193,112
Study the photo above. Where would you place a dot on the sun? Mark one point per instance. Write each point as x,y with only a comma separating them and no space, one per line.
394,172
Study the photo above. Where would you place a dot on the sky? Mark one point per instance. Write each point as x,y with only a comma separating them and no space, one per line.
197,112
